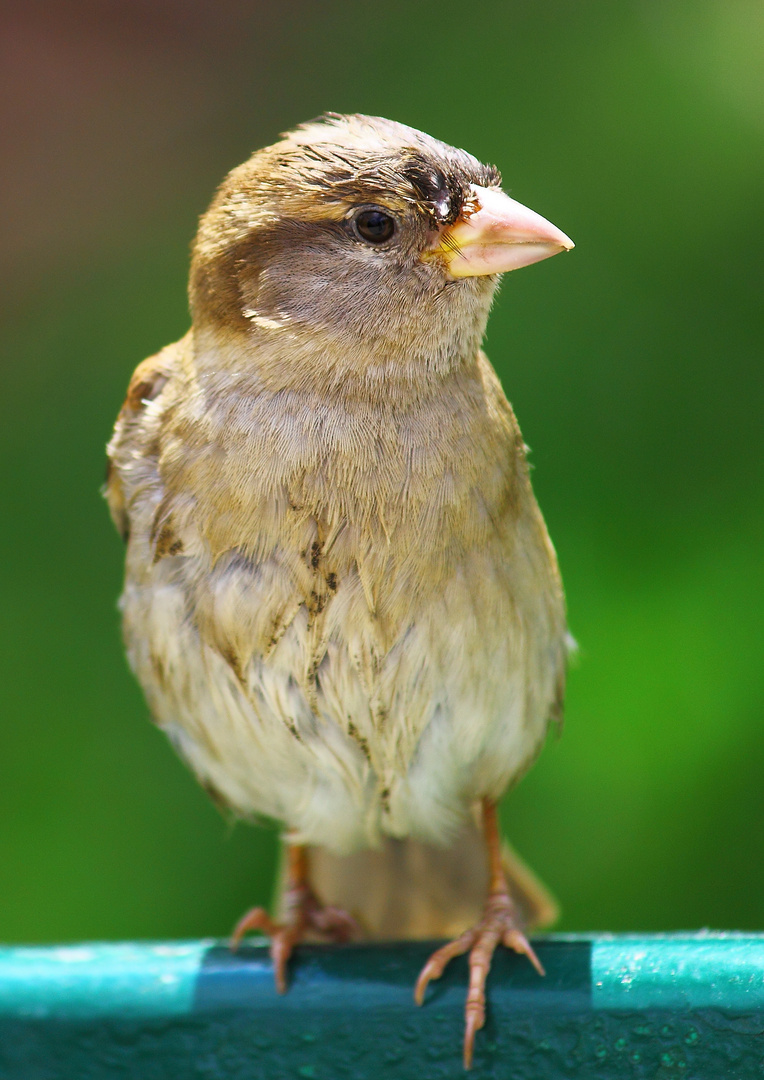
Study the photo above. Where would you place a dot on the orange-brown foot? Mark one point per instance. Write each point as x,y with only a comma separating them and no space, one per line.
304,914
499,925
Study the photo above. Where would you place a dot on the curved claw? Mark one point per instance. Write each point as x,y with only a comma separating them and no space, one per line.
439,960
514,939
283,939
256,918
282,944
473,1024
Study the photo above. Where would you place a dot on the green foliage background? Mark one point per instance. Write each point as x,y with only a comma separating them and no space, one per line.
634,366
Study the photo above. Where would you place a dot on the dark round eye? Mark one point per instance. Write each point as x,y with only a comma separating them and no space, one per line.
374,226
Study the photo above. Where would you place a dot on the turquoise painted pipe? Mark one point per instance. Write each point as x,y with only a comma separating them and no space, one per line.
724,971
663,1006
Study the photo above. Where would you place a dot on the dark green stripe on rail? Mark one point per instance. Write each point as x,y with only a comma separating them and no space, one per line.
662,1006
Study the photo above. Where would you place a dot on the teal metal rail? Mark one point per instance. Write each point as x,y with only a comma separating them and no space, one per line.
673,1006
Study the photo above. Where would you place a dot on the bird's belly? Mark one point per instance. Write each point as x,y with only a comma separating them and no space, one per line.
341,734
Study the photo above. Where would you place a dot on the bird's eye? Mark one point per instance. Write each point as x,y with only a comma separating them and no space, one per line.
374,226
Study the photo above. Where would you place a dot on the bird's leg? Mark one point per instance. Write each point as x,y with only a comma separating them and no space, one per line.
303,912
501,924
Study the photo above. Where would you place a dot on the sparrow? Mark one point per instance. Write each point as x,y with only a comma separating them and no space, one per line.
340,597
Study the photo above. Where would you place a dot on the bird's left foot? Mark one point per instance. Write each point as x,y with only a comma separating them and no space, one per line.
304,914
500,925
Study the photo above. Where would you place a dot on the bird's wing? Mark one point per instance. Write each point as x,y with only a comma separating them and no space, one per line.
132,448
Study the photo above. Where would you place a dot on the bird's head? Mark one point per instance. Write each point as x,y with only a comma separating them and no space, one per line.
365,236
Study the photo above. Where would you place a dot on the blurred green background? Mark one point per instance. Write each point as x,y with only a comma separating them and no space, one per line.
634,366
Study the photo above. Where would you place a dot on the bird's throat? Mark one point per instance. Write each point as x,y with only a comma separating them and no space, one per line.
279,358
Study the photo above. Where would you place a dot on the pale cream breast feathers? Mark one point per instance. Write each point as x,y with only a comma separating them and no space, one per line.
347,615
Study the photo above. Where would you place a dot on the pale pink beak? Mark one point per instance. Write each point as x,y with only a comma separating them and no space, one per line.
495,234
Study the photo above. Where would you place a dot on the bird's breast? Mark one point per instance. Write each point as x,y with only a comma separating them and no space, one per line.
400,490
359,605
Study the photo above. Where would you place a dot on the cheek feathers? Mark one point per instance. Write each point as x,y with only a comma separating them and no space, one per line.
334,291
289,266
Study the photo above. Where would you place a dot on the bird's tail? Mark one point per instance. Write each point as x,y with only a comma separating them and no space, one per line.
407,889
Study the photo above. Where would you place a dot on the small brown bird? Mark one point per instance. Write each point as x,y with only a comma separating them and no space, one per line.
341,599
